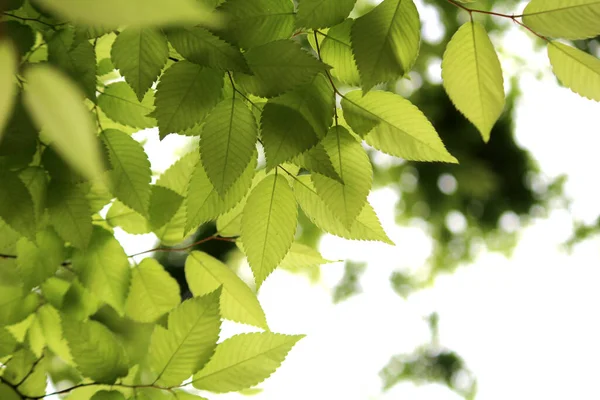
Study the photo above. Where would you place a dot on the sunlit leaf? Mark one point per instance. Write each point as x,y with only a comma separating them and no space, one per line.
336,50
575,69
8,87
119,103
322,13
569,19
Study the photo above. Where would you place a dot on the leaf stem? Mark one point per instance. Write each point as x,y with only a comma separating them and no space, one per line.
33,20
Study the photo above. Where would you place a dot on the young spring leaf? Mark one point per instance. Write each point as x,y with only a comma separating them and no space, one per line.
302,256
8,87
243,361
336,50
16,204
119,103
124,217
228,142
103,268
322,13
70,213
200,46
188,343
277,67
108,395
185,95
473,77
130,175
55,105
386,41
575,69
250,24
205,274
317,160
568,19
268,225
8,343
394,126
347,198
140,54
164,203
16,302
153,292
366,227
39,260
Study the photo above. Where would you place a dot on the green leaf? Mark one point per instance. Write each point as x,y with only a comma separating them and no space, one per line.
228,140
8,393
55,105
108,395
336,50
114,13
394,125
75,57
386,41
36,181
19,142
78,302
131,175
205,274
473,77
302,256
203,203
347,198
124,217
251,24
268,225
119,103
322,13
95,349
317,160
185,95
39,260
16,204
164,204
366,227
200,46
50,322
70,213
177,176
190,341
140,54
103,268
8,343
277,67
569,19
8,87
243,361
575,69
26,373
153,292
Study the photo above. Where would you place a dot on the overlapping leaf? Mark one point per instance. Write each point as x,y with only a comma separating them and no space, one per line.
569,19
70,213
185,95
317,160
394,125
575,69
164,203
16,204
205,274
322,13
8,87
41,259
473,77
336,50
243,361
386,41
119,103
124,217
140,54
268,225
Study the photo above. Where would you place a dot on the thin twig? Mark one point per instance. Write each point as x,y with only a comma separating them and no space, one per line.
171,249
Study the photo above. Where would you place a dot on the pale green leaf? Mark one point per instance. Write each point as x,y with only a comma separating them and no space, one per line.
55,104
200,46
336,50
473,77
95,350
70,213
229,224
140,54
228,142
243,361
254,23
185,95
205,274
203,203
124,217
386,41
16,205
575,69
26,373
177,176
347,198
277,67
394,126
130,175
8,87
7,342
164,204
16,302
317,160
114,13
174,231
569,19
190,341
153,292
103,268
366,227
39,260
322,13
78,302
303,258
119,103
108,395
50,322
268,225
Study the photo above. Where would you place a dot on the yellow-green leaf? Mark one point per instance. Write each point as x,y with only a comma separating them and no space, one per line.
569,19
8,87
322,13
473,77
120,103
575,69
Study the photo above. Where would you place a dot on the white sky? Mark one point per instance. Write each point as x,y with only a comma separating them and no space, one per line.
527,327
